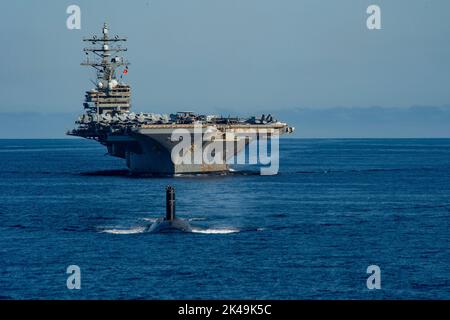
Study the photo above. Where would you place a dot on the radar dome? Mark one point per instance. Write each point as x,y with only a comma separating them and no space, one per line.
112,84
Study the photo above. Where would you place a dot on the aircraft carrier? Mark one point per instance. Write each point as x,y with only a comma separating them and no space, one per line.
145,140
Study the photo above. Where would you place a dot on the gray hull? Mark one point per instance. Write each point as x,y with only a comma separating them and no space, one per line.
150,151
162,225
151,148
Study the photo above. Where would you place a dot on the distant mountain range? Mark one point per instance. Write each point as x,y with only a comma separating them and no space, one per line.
374,122
338,122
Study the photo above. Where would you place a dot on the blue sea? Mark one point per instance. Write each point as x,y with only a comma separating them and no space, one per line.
310,232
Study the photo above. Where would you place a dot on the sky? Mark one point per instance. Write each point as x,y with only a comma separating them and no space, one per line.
289,57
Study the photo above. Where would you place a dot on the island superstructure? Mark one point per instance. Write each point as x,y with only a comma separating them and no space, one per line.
144,139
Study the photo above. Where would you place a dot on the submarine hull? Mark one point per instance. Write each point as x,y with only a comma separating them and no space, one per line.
162,226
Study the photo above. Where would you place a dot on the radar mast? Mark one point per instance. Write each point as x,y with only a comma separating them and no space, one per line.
109,96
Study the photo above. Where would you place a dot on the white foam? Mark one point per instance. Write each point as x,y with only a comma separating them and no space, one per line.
125,231
197,219
215,231
136,230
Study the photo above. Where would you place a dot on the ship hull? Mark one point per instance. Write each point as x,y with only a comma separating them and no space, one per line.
155,149
150,152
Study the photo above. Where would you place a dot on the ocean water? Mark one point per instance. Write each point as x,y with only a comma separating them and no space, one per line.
336,207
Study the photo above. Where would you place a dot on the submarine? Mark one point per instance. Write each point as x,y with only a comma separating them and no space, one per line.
169,223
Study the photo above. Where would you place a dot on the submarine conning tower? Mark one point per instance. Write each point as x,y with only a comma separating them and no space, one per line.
170,203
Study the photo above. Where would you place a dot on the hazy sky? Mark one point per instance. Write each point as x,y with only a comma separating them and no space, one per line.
238,56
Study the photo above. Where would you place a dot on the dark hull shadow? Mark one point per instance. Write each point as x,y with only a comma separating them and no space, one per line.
127,174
